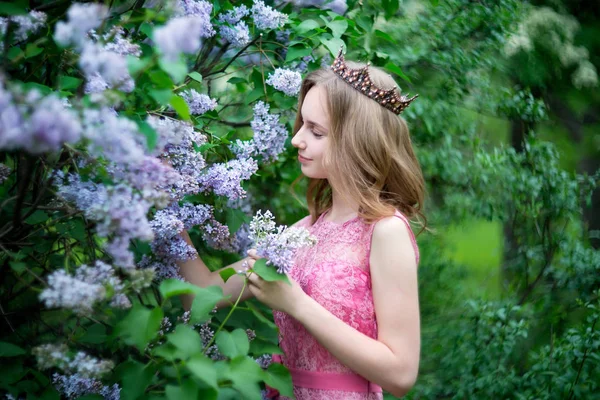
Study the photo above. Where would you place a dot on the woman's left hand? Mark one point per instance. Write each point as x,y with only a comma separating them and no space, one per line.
278,295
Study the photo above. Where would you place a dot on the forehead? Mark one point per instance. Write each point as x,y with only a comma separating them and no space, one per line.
314,106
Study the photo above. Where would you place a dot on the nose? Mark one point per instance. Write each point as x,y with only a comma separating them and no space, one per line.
298,141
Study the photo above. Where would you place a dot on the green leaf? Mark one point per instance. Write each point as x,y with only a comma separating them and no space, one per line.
236,79
233,344
10,350
227,273
333,45
188,390
203,368
139,326
151,135
176,69
69,82
186,339
278,377
146,28
384,36
260,316
195,76
268,272
13,8
135,64
391,7
206,299
162,96
306,26
94,334
31,50
338,27
396,70
37,217
17,266
245,374
174,287
181,107
235,219
134,377
297,51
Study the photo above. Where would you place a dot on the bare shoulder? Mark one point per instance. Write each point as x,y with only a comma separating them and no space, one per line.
391,228
392,241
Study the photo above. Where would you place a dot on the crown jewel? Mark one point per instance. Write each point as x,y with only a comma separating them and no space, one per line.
360,80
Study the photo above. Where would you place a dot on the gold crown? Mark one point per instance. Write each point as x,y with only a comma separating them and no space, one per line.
360,80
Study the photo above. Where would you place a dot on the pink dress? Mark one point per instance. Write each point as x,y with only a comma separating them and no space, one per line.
334,272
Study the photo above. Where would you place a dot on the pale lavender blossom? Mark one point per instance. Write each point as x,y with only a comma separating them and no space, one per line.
224,179
269,136
234,16
58,356
110,66
75,386
4,172
116,42
238,35
82,18
198,103
337,6
266,17
264,361
25,25
183,34
278,244
198,8
286,80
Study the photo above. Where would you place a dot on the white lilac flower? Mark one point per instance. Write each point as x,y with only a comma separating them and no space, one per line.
197,8
82,17
266,17
116,42
198,103
585,75
25,25
238,35
286,80
75,386
58,356
224,179
4,172
269,135
234,16
278,243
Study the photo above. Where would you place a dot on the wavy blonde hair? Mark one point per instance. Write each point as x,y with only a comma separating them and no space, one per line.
370,154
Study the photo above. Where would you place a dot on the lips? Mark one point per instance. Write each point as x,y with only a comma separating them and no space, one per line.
302,158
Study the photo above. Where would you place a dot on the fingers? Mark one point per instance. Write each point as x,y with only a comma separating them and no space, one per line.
252,253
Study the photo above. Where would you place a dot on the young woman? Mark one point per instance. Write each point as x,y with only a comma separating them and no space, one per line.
349,323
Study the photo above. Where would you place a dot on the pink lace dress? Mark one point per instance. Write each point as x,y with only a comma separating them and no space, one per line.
334,272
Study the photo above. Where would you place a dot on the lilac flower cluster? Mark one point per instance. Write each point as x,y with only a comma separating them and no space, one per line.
85,289
35,123
286,80
238,35
224,179
25,25
4,172
235,15
198,103
278,243
337,6
82,18
266,17
269,136
75,386
183,33
58,356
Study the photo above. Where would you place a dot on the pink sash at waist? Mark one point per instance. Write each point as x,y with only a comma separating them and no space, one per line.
330,381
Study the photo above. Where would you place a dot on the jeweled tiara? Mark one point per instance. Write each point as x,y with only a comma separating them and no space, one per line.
361,81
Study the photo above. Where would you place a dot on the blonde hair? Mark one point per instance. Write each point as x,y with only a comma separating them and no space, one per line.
370,155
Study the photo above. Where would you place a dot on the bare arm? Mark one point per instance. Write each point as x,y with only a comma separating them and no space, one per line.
196,272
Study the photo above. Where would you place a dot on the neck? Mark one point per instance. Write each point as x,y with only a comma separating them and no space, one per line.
341,210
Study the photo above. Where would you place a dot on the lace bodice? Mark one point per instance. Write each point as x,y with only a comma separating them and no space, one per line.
335,273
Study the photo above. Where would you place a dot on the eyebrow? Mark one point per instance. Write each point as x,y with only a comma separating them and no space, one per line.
314,123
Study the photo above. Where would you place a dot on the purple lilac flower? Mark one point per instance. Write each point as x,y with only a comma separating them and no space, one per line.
173,132
283,36
286,80
337,6
37,124
116,42
75,386
264,361
266,17
82,17
269,135
4,172
238,35
234,16
224,179
58,356
111,67
183,34
198,103
278,244
25,25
